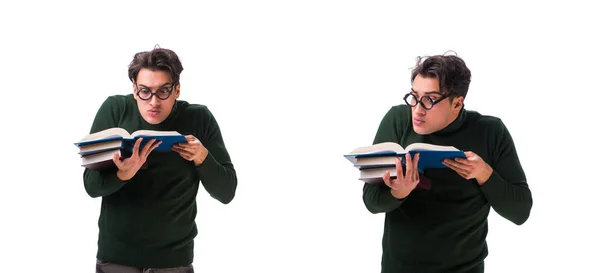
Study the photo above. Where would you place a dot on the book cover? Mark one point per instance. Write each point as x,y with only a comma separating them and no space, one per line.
112,135
384,154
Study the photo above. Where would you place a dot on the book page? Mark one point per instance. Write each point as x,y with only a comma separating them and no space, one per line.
430,147
154,133
99,157
100,146
379,147
377,172
112,132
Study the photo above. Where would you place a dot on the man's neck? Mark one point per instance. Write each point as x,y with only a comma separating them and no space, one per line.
454,123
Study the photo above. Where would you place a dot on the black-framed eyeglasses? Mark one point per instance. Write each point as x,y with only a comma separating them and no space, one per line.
162,93
426,101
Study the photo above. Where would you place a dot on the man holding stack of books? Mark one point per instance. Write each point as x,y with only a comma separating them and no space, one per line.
147,218
442,226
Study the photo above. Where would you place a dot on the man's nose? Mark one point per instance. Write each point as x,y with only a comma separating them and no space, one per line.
419,109
154,101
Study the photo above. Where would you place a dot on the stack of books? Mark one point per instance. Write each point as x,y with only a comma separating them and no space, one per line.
374,160
97,150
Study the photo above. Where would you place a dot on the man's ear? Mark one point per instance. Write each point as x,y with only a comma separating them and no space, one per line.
176,92
457,103
134,91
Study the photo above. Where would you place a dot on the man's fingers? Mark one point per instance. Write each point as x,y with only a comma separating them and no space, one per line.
188,145
190,138
409,167
416,167
152,147
464,167
399,172
146,150
136,148
416,161
185,153
453,164
463,174
148,145
386,179
156,145
457,168
117,160
464,161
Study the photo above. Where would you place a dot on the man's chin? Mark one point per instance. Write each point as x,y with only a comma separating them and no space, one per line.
153,120
421,130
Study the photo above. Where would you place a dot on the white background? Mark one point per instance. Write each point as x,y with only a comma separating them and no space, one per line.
294,85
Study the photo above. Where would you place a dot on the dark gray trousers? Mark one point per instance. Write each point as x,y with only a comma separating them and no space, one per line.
107,267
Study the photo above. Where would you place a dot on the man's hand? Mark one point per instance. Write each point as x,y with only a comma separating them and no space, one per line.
193,150
128,167
471,167
404,183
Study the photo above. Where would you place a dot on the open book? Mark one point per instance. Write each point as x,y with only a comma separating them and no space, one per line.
384,155
111,135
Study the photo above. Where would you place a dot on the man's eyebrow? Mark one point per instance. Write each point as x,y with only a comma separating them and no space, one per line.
163,85
429,92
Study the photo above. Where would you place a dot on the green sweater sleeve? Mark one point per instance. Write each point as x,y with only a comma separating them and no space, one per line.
378,197
506,190
216,173
105,182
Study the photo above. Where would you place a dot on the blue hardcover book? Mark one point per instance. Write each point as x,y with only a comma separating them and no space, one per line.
119,137
384,154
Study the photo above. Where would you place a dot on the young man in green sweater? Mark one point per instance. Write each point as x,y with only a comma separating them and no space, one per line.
148,211
444,228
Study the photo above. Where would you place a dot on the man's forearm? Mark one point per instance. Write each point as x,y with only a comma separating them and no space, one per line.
219,181
101,183
379,199
512,201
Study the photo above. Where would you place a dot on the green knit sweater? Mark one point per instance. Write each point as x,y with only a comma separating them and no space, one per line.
149,221
444,229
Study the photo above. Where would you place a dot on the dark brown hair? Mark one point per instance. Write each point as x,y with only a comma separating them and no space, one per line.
450,70
158,59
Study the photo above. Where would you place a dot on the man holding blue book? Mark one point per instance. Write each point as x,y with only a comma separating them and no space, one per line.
147,217
444,228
